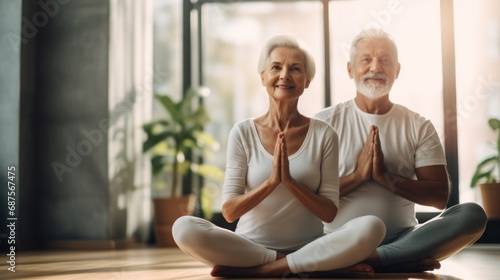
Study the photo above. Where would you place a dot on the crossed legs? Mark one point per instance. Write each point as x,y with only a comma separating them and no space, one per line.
337,253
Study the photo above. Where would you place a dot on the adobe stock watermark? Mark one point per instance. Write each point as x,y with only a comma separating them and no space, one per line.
379,19
484,89
95,137
29,27
83,148
482,92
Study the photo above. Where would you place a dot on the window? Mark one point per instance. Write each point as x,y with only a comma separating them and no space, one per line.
477,41
167,47
167,61
227,41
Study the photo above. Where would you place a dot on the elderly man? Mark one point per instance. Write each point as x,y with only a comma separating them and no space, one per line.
392,159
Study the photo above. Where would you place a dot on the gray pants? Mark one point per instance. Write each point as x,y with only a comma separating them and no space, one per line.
446,234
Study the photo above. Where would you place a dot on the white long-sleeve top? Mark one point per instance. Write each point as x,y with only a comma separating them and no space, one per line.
281,222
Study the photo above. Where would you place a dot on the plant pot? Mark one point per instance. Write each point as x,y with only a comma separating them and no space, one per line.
166,211
490,194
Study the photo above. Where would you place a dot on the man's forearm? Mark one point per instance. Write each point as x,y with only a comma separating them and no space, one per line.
350,183
428,192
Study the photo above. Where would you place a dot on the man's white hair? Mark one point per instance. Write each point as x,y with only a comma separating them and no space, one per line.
370,33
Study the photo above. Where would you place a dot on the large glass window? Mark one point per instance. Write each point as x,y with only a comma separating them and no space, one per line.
167,63
477,43
232,34
167,47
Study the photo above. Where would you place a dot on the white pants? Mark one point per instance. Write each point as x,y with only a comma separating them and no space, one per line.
346,246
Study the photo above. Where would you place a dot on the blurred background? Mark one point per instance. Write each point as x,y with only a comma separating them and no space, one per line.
78,78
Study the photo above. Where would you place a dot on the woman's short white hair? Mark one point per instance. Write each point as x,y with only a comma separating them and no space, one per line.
287,41
370,33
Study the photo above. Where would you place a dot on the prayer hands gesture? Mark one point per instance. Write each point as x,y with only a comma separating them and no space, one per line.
281,171
431,188
370,165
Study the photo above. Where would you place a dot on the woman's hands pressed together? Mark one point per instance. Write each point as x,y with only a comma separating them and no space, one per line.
281,170
320,206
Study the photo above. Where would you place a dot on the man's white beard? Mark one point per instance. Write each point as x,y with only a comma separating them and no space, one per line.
372,91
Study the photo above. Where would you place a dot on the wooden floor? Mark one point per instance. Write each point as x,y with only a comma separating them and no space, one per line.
478,262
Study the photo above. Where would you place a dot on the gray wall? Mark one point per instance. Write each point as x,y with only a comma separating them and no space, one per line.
71,101
10,82
27,200
56,115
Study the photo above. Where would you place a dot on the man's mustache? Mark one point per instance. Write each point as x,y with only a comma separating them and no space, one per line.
372,75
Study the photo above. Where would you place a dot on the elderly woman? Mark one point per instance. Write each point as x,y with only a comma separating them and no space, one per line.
282,184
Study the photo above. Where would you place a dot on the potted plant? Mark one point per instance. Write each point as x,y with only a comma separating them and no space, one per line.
173,142
487,177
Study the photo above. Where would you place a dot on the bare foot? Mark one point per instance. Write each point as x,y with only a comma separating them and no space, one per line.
416,266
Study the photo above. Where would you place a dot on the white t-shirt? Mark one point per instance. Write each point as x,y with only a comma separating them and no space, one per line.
408,141
280,221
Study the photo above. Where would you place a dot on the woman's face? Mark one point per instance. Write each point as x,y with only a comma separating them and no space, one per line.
285,76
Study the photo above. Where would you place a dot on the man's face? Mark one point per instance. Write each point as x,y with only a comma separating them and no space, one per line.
374,67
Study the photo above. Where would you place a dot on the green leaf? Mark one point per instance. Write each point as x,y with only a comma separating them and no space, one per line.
153,140
170,107
157,164
209,171
149,127
480,173
152,128
494,123
479,176
206,140
201,117
486,162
